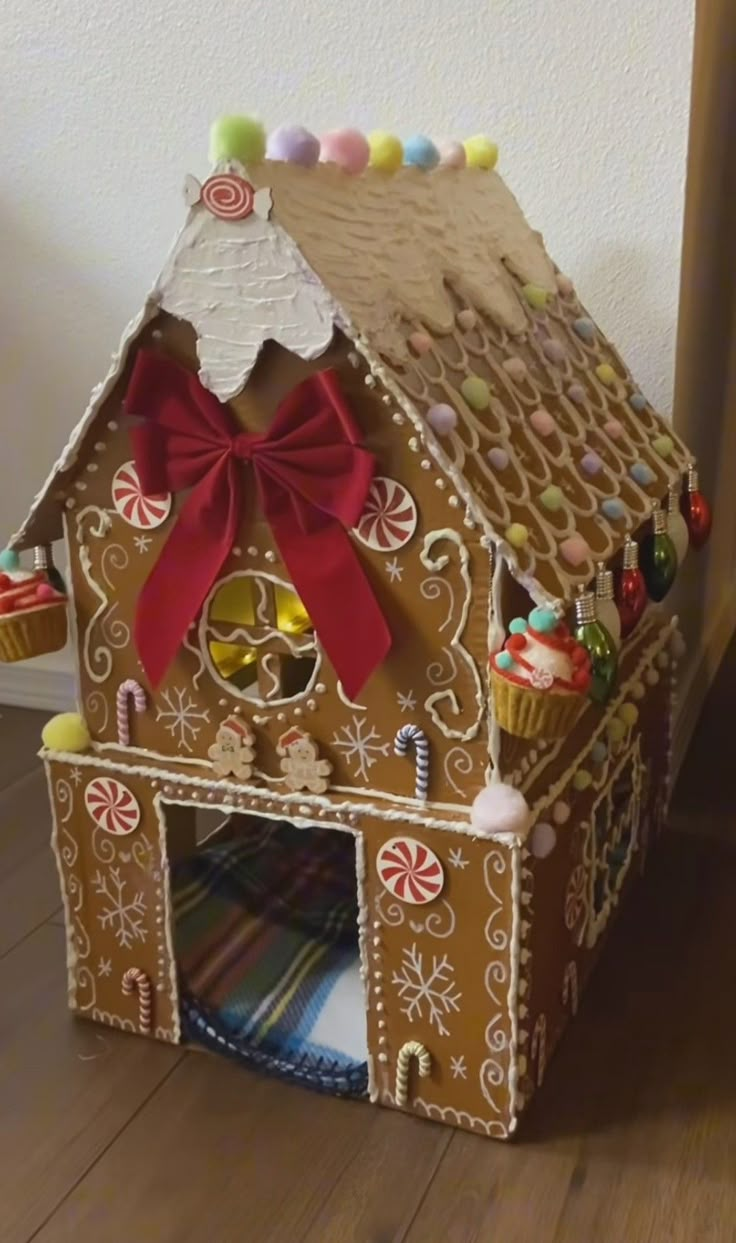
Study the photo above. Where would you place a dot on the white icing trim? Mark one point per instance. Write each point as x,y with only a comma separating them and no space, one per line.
491,1127
165,889
349,703
514,976
73,627
71,950
435,565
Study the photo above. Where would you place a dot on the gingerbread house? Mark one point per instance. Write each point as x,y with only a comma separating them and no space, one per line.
361,438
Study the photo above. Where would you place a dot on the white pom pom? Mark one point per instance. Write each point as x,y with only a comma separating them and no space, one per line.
500,809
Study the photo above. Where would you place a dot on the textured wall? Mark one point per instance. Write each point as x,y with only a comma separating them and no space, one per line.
105,106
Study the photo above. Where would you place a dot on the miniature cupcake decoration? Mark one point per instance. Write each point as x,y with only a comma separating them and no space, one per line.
540,678
32,616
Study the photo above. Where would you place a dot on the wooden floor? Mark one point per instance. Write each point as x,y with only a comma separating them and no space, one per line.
107,1138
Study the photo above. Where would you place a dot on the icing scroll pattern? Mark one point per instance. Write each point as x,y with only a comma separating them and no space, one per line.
435,673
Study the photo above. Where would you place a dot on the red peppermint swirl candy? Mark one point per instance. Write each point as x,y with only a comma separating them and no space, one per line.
228,197
410,871
112,806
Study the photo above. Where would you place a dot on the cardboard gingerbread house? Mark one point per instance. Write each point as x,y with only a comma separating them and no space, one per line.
374,698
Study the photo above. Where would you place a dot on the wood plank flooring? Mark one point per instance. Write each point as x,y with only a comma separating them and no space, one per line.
105,1138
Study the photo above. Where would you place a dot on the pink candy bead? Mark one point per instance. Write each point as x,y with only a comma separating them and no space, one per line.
613,428
575,550
346,147
542,422
420,342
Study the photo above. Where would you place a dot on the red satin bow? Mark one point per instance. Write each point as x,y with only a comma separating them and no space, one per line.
312,477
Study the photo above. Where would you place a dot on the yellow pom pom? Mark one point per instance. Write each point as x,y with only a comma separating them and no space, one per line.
517,534
616,729
629,713
535,296
237,138
481,152
386,151
606,374
582,779
66,732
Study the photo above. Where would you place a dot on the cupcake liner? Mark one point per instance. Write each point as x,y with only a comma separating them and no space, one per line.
33,632
527,712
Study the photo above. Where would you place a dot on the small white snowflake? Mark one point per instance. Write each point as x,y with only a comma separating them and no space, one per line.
104,967
124,916
179,716
457,859
458,1069
142,542
433,988
407,702
360,746
76,776
394,570
541,679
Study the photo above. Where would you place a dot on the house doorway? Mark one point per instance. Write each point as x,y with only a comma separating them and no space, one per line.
267,947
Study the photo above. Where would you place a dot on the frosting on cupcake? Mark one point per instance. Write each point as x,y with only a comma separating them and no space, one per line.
541,654
23,590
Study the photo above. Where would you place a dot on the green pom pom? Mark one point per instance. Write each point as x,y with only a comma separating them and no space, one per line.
237,138
542,620
517,626
9,559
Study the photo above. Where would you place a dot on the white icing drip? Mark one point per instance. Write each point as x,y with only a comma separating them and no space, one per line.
241,283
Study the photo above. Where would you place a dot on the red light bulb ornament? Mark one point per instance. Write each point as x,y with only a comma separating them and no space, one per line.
630,590
658,557
696,510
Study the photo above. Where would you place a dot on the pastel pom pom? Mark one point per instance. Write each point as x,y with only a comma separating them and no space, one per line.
504,660
535,296
421,152
517,534
576,393
515,368
613,428
638,690
45,592
637,401
9,560
616,729
642,474
347,148
237,138
452,155
542,422
386,151
542,620
420,342
500,809
598,752
554,350
585,328
543,839
590,463
613,508
552,497
467,318
442,418
66,732
480,152
575,550
582,779
561,813
294,144
605,374
476,392
498,457
651,677
518,625
628,713
663,445
565,285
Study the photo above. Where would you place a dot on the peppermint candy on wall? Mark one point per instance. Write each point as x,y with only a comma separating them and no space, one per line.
410,871
228,197
143,512
112,806
389,517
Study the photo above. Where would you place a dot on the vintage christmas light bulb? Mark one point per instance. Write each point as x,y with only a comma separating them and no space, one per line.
695,510
676,525
43,560
630,590
594,637
605,604
658,558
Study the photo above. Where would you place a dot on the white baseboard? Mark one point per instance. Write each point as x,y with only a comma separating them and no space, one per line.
699,677
46,683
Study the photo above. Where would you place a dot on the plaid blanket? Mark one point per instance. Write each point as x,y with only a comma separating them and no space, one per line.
266,941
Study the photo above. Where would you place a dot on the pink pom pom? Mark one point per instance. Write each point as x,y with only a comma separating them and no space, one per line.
500,809
543,839
554,350
575,550
420,342
613,428
442,418
542,422
294,144
561,813
346,147
453,155
45,592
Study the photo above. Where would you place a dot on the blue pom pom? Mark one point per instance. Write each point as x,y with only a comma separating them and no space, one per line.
585,328
518,625
642,474
9,559
421,152
542,620
504,660
637,401
598,752
613,508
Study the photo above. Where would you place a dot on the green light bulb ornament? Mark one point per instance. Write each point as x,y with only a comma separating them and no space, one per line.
658,557
599,645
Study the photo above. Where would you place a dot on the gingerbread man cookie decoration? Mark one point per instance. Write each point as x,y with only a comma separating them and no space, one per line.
232,753
301,765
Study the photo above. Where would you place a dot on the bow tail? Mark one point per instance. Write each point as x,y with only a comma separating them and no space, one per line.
190,562
333,588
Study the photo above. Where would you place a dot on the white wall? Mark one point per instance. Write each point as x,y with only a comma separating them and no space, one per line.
104,106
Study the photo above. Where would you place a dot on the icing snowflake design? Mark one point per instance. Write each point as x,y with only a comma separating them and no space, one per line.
104,967
181,717
542,679
457,859
428,992
75,776
142,542
394,570
458,1069
122,915
406,702
360,745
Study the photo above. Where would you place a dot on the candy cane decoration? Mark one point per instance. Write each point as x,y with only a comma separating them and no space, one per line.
130,689
570,987
136,980
411,1049
410,735
539,1047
